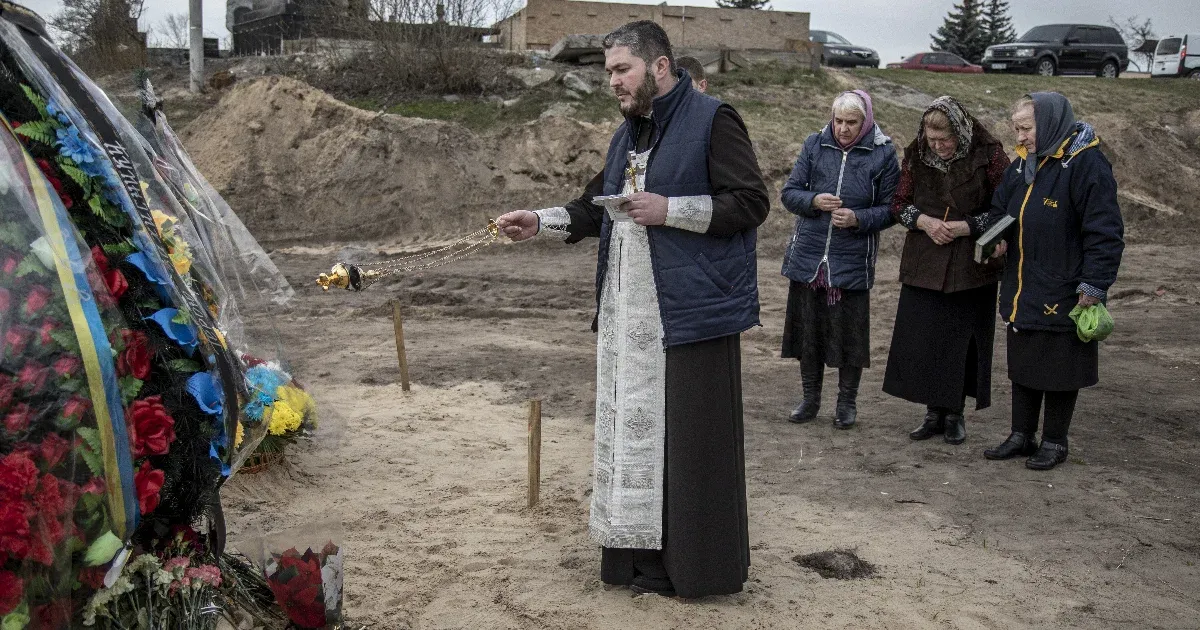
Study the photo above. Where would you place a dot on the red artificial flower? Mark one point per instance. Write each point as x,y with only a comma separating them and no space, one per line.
135,359
36,300
93,577
75,407
53,449
151,428
32,377
18,476
51,616
115,281
17,420
15,340
67,365
95,485
12,590
148,481
14,527
297,587
9,266
44,331
8,389
100,258
48,171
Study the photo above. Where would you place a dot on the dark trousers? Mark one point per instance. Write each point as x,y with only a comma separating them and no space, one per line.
1027,406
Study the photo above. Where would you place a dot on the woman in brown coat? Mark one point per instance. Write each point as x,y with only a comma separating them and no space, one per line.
942,343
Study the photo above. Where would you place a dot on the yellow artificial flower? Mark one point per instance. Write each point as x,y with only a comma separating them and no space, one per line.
162,221
241,432
284,419
300,401
181,258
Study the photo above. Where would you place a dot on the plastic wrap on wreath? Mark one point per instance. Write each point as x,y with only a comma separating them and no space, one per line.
69,491
190,245
303,567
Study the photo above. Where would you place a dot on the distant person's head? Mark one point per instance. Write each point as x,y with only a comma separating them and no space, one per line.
946,129
640,65
699,76
852,117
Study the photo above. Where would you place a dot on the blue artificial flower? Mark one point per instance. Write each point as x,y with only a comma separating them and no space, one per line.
95,168
73,146
262,381
203,387
53,109
148,269
182,334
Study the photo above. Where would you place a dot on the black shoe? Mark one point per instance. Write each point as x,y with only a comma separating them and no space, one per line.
1047,457
847,403
1017,444
805,411
956,428
935,424
643,585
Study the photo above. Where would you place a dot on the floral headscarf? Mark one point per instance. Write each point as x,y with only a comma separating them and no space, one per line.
961,125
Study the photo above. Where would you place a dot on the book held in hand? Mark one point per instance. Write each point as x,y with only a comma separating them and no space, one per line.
986,245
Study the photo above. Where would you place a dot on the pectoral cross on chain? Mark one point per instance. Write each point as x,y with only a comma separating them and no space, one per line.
631,173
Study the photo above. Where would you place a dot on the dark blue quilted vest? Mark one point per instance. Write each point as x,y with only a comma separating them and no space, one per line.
707,285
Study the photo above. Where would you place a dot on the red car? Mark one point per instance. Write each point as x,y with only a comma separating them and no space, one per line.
937,62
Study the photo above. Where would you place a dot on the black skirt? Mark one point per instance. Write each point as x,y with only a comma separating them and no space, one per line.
837,335
1051,361
942,347
706,541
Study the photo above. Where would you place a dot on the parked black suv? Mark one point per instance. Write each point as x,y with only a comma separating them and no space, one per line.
1062,49
838,51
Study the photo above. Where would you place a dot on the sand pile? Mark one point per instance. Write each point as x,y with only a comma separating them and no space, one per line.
300,166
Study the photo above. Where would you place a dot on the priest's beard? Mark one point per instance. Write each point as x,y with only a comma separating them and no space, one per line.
643,98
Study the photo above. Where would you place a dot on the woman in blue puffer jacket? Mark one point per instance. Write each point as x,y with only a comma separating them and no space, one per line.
840,189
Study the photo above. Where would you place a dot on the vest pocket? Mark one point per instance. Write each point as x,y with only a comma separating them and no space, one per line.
713,275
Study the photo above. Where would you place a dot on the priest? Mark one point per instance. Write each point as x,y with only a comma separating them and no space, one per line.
676,284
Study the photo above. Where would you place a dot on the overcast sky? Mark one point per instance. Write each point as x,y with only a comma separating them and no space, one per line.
895,28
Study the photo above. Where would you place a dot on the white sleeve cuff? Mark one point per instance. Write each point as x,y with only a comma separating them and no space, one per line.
693,214
554,223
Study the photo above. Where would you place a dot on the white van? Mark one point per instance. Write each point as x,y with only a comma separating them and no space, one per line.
1177,56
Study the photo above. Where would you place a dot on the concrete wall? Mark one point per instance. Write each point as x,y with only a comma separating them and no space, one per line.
543,22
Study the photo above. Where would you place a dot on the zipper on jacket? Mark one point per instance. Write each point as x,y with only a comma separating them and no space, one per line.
1012,318
829,232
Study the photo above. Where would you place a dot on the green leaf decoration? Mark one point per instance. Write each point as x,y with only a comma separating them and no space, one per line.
91,450
149,303
76,174
123,248
182,317
103,549
17,619
184,365
66,340
96,206
13,235
30,264
36,99
130,387
39,131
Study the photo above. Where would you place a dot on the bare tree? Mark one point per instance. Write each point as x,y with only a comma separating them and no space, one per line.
1135,33
173,31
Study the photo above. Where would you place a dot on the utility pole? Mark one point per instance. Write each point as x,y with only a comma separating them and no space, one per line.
196,31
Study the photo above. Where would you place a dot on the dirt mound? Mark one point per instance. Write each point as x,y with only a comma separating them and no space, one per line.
300,166
841,564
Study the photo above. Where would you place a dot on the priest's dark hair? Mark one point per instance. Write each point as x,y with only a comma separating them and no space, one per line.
645,39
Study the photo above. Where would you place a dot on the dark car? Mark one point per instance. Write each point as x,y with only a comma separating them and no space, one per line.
936,62
1062,49
839,52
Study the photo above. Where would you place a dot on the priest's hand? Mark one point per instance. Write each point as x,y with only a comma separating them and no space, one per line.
518,225
844,218
646,208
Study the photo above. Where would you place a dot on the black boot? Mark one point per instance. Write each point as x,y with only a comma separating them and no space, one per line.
956,428
847,407
935,424
811,378
1047,457
1017,444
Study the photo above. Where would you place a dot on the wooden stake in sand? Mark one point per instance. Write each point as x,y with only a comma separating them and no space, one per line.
535,450
400,353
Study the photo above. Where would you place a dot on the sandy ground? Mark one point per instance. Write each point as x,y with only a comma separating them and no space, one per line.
431,484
